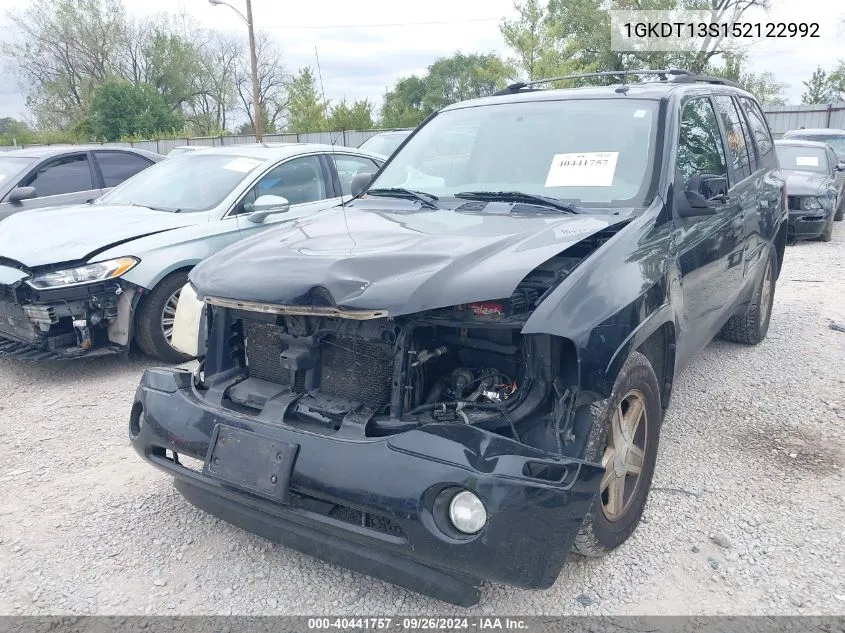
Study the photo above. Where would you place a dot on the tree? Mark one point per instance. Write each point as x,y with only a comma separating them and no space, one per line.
63,50
819,88
403,106
13,131
448,79
119,108
272,84
358,116
306,110
764,86
529,37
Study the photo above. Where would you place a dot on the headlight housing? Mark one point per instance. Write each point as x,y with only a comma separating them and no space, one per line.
87,274
810,203
189,324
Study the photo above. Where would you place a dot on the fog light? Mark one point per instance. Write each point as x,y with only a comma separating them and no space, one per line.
467,513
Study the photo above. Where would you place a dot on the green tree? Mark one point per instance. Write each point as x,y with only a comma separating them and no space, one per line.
448,79
819,88
764,86
358,116
13,131
306,110
119,108
403,106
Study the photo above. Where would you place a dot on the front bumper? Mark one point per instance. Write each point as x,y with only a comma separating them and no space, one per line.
808,224
385,488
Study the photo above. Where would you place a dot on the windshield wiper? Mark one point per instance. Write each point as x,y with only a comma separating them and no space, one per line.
518,196
426,199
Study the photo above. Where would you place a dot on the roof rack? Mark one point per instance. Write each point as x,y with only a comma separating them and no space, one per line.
678,76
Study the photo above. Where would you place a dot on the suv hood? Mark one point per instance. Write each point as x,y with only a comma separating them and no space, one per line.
805,183
70,234
367,257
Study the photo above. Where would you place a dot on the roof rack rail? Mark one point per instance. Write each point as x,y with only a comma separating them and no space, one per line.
678,76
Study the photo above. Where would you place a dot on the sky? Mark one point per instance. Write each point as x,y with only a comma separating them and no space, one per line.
365,46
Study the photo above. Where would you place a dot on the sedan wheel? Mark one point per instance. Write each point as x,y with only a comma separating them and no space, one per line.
168,316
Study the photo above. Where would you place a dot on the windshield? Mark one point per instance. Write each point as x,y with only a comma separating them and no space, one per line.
11,166
194,181
384,144
796,158
596,152
836,141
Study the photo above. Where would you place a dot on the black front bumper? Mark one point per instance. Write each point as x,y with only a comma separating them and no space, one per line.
391,484
807,225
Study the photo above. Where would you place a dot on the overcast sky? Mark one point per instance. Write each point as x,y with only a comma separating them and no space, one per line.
365,46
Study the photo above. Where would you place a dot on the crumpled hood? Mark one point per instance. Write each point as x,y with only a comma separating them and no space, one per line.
805,183
67,234
367,257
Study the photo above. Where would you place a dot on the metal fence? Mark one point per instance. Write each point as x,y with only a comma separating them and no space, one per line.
348,138
781,119
791,117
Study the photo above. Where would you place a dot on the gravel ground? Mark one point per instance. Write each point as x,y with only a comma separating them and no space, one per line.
747,514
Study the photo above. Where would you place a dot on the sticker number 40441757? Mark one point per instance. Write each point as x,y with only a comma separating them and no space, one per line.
588,169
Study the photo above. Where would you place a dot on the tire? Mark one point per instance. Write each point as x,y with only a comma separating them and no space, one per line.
827,234
751,328
840,211
607,525
149,323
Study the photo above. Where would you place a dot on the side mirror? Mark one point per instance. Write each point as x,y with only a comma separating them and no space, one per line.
360,182
19,194
267,205
840,166
699,197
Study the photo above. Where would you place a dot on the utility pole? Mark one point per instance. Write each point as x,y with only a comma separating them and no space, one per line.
258,124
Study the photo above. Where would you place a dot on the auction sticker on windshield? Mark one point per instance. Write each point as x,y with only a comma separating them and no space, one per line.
588,169
807,161
242,165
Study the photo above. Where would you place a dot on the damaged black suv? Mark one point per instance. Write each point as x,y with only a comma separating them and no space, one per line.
461,375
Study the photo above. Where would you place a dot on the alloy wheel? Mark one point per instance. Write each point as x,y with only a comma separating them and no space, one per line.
168,316
624,456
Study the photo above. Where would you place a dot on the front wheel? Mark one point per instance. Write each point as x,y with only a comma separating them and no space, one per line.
840,210
156,318
624,438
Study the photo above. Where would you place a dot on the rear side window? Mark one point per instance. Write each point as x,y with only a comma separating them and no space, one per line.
67,174
118,166
737,145
350,166
760,132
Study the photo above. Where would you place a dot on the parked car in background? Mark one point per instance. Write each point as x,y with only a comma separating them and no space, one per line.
385,143
836,139
41,177
89,279
184,149
811,169
461,375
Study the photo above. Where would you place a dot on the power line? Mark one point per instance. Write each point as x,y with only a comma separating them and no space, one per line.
380,25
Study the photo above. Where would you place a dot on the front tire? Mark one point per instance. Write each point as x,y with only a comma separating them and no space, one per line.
840,211
624,439
154,323
751,328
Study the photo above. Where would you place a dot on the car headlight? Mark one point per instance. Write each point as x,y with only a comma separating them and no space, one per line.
89,273
189,324
467,513
810,203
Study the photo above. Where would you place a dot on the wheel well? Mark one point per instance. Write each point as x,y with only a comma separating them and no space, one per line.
780,247
659,349
146,293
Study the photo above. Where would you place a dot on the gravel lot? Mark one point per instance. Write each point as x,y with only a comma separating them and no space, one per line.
747,515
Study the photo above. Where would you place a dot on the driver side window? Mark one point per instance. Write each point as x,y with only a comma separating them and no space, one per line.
700,149
299,181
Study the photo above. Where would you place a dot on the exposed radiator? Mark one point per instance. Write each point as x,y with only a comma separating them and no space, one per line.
263,348
356,370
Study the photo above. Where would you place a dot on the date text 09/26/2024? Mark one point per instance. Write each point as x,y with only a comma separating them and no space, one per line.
417,623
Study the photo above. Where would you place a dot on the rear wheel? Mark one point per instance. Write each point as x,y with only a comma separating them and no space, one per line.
624,438
751,328
156,317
